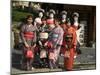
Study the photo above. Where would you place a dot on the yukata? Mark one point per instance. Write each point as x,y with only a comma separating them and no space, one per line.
69,47
39,24
43,50
55,39
40,27
28,35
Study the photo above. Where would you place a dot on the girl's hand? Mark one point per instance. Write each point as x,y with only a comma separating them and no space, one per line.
26,45
66,46
67,54
34,46
46,44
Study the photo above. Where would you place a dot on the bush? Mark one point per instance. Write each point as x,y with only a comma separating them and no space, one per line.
19,16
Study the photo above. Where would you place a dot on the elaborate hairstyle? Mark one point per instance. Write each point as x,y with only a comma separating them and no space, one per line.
64,12
52,11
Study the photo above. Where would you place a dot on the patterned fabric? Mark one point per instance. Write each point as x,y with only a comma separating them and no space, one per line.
70,41
28,32
56,43
69,47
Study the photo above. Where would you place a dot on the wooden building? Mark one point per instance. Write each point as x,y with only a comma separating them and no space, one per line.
87,18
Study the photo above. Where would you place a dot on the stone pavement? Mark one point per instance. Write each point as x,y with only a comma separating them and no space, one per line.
85,61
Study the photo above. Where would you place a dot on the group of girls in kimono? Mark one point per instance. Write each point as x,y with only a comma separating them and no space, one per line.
49,38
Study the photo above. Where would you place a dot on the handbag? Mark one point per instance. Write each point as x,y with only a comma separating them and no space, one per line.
29,54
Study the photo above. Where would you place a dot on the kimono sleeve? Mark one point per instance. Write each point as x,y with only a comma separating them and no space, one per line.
60,37
22,33
35,37
74,38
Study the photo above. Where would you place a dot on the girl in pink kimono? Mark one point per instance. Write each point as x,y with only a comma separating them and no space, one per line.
55,41
28,35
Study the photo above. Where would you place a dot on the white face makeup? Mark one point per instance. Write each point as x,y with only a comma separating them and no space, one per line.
69,24
51,15
75,18
76,21
63,16
40,14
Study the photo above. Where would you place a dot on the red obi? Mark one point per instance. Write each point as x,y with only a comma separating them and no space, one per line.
29,35
49,21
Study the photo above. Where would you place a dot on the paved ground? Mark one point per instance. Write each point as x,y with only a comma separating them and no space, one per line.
85,61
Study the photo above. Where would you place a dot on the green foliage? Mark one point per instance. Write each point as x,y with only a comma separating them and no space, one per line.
19,16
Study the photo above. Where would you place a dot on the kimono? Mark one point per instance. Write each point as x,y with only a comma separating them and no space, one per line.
55,40
77,27
40,24
41,52
28,35
69,47
64,26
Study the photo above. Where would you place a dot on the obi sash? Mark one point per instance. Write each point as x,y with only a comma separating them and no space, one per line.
49,21
29,35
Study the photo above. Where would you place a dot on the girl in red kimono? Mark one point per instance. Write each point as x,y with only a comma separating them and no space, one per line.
28,35
69,46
